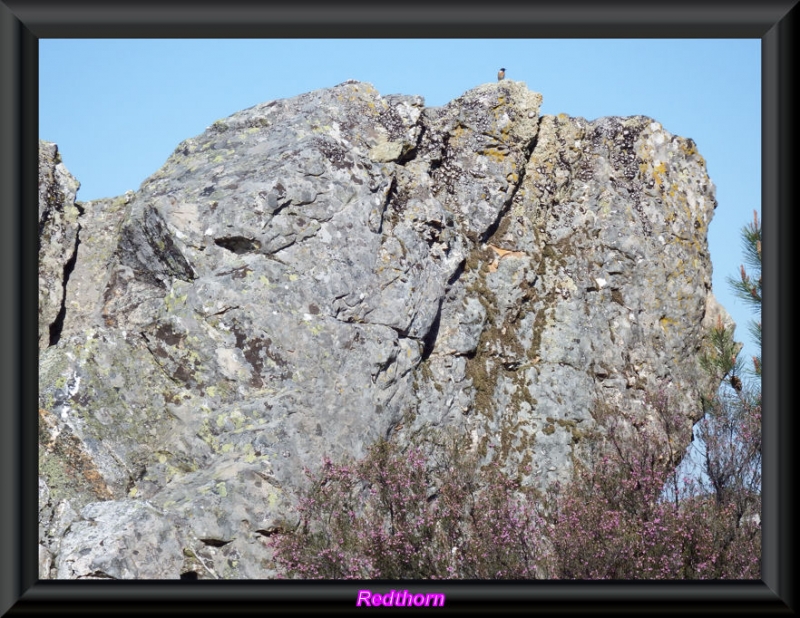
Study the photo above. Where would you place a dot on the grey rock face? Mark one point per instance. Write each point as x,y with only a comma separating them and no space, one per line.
311,274
124,539
58,236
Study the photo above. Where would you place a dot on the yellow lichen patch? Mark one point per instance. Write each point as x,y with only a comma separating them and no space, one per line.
273,498
317,328
659,171
457,134
207,436
688,148
238,418
494,154
666,322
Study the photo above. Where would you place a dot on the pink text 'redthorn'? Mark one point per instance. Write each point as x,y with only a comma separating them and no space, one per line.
399,599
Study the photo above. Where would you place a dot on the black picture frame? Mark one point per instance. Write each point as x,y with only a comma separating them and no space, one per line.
24,22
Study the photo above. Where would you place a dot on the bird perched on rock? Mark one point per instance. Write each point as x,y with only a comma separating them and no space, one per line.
501,74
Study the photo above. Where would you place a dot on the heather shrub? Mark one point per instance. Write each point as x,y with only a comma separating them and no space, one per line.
504,536
399,513
632,516
396,515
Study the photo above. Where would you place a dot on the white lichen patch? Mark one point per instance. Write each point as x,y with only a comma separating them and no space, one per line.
230,364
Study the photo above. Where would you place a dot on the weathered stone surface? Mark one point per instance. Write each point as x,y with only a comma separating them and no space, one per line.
54,520
99,236
58,237
594,285
314,273
123,539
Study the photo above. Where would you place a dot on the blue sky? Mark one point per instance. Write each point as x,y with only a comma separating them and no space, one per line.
117,108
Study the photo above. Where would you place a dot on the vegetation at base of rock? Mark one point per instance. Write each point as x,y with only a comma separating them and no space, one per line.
396,514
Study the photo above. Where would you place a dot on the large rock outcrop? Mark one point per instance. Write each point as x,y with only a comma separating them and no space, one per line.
314,273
